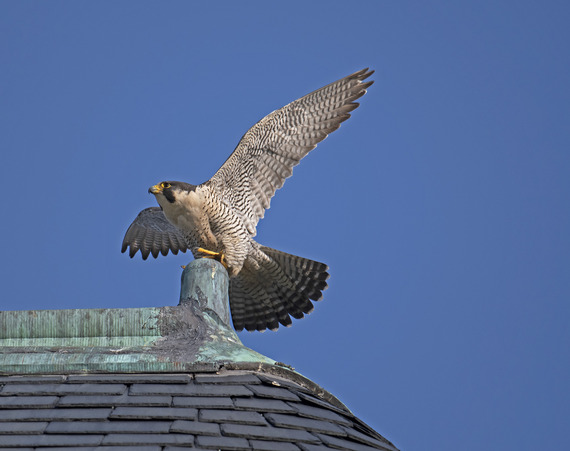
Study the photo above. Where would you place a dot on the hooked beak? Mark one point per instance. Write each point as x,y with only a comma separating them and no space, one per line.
156,189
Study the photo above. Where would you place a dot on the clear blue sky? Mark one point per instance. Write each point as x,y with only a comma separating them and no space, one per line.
441,206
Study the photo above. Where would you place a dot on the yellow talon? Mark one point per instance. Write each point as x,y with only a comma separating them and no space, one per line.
212,254
219,256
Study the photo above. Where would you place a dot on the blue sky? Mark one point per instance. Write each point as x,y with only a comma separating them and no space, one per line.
441,206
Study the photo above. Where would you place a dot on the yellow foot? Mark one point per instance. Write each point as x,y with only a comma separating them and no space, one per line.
215,255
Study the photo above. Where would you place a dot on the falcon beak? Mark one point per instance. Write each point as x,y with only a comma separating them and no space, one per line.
156,189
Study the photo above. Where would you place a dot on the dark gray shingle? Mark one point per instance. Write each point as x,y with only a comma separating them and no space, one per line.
148,439
25,402
225,443
308,424
263,445
195,427
176,413
55,414
264,432
47,379
63,389
232,416
264,405
107,427
319,413
122,400
191,389
204,402
20,427
267,391
228,379
50,440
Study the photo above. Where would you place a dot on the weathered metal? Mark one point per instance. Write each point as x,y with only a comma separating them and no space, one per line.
208,286
195,335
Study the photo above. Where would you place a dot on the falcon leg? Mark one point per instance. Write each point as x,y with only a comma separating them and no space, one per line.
219,256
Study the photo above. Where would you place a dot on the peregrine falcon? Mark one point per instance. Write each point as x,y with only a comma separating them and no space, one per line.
218,218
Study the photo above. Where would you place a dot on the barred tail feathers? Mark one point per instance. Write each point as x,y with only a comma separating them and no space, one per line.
273,286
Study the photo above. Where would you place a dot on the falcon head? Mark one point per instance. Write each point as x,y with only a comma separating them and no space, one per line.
170,191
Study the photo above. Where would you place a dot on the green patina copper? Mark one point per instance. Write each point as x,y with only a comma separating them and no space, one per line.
79,327
193,336
205,281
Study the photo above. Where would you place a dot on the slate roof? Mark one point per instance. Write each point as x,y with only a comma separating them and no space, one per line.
231,409
160,378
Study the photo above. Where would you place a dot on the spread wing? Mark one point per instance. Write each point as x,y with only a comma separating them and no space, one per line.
267,153
151,233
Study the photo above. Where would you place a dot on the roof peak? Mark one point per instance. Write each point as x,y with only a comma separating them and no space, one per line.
191,336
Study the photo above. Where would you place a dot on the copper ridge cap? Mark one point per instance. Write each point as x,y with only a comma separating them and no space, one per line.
172,338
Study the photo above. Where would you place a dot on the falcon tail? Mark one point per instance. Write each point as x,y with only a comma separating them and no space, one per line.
282,286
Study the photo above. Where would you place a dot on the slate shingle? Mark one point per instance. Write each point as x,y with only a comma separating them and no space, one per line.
264,405
37,402
48,379
280,382
195,427
191,389
319,413
176,413
88,414
295,422
228,379
266,391
121,400
320,403
22,428
232,416
203,402
311,447
50,440
107,448
366,439
342,443
176,448
107,427
270,433
146,439
63,389
262,445
225,443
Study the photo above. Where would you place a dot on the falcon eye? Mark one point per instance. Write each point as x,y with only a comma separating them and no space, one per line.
165,185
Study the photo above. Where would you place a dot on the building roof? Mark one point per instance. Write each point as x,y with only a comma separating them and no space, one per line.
159,379
232,408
